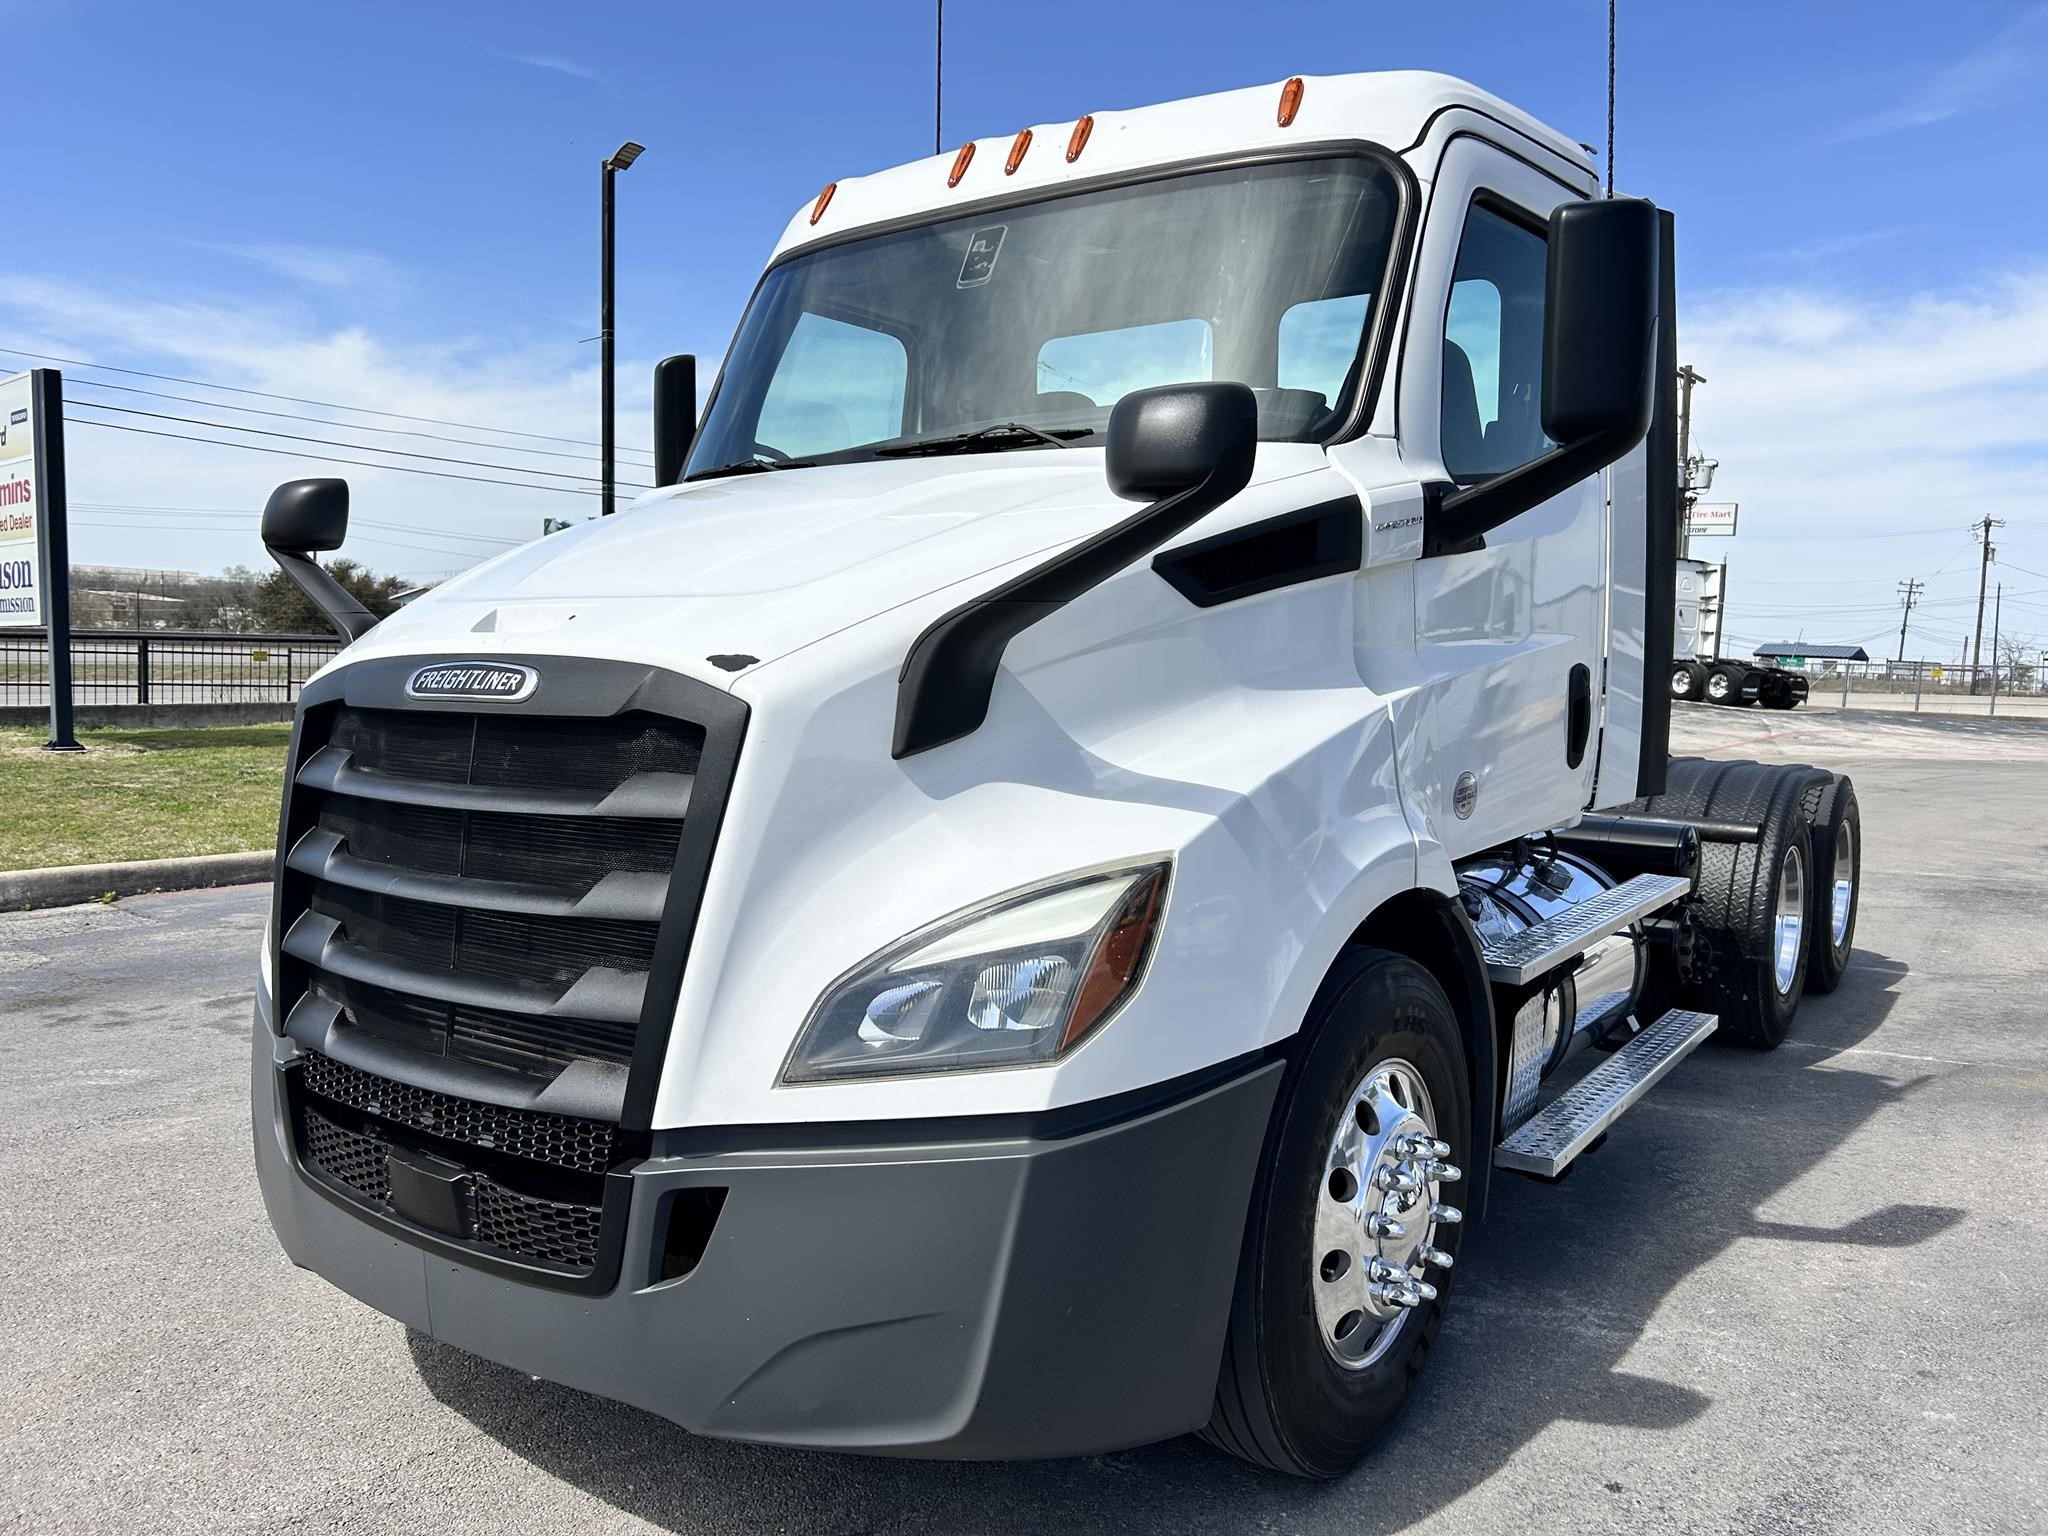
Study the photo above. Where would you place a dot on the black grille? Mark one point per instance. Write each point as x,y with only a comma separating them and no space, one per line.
572,853
515,1042
552,1231
357,1161
496,1147
582,1146
516,753
465,929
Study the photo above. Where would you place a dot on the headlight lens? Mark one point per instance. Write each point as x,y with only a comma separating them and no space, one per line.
1013,982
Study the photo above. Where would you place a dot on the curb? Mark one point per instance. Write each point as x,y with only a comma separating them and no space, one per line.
29,888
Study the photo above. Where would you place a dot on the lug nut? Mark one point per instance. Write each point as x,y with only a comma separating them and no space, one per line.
1416,1144
1424,1291
1445,1215
1380,1272
1379,1224
1395,1182
1430,1254
1442,1172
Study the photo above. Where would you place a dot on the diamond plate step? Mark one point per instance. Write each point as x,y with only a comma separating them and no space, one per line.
1566,1126
1543,948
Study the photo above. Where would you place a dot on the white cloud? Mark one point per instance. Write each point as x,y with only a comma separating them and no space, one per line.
550,61
316,266
1862,434
279,347
1986,78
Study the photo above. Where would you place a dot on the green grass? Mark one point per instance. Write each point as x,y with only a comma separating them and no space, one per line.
139,794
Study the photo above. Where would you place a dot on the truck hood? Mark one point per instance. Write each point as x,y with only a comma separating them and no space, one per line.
757,566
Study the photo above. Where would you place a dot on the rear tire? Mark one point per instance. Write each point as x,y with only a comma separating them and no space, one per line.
1837,885
1298,1392
1724,685
1740,976
1688,680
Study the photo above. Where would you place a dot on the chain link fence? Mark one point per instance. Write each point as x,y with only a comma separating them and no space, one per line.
1942,687
115,666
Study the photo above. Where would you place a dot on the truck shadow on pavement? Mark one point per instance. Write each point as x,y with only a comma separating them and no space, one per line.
1557,1284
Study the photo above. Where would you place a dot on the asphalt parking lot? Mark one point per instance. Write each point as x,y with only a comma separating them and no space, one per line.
1805,1291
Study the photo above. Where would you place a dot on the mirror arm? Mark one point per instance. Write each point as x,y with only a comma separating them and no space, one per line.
351,620
1456,519
943,691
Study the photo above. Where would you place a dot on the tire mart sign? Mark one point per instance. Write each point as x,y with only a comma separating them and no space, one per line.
21,543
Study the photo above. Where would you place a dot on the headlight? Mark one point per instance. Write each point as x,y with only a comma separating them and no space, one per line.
1012,982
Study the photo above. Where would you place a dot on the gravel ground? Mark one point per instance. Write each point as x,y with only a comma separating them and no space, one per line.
1795,1292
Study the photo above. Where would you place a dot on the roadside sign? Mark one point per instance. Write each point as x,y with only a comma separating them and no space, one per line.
1935,673
1715,518
21,545
35,548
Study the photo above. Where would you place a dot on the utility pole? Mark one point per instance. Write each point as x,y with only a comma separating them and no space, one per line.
1997,609
1687,377
1983,532
1909,590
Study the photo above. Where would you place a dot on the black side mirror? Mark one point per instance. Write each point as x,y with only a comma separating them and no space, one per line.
1167,440
308,517
1185,448
1599,366
675,415
305,517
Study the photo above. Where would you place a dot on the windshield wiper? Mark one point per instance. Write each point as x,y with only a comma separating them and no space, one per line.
1004,434
753,466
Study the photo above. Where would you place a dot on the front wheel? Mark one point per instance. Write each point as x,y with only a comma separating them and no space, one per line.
1349,1245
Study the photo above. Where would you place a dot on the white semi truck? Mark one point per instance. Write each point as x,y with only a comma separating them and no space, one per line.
1699,670
1014,906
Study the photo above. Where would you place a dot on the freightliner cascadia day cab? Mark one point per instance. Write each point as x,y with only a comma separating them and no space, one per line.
1013,906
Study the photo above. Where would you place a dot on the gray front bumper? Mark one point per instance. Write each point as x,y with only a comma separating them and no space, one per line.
1003,1297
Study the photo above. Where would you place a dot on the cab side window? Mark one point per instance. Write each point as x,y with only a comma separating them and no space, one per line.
1493,349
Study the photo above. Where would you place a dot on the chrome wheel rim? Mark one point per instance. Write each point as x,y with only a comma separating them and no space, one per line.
1718,686
1377,1213
1681,682
1788,919
1843,897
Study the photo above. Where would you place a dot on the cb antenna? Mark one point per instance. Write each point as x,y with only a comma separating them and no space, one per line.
939,84
1610,95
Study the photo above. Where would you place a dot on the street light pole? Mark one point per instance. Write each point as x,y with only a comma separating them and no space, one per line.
627,153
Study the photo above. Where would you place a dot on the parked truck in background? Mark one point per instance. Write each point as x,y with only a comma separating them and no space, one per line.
1699,670
1015,905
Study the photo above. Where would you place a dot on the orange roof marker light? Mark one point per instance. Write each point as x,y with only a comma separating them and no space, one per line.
824,201
960,163
1079,140
1290,101
1017,149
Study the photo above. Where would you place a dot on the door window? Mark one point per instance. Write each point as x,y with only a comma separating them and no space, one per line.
1493,349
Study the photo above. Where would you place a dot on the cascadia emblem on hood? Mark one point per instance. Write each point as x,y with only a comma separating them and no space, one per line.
473,680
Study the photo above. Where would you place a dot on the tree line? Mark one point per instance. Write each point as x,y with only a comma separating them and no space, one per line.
238,601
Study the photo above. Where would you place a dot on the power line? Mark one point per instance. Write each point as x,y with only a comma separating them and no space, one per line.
129,509
330,442
432,549
350,426
330,405
328,458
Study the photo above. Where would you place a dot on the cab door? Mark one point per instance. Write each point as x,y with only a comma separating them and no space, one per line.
1510,638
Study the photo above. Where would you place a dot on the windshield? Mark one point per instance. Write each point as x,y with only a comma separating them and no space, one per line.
1022,326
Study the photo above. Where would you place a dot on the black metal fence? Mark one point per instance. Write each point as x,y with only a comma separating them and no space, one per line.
126,666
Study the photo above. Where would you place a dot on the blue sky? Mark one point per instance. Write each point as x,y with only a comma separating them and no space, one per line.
394,205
